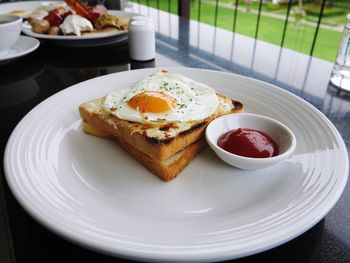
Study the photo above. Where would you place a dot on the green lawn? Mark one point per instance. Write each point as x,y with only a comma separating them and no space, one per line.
298,38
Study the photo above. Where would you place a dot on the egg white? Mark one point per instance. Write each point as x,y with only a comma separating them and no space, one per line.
194,101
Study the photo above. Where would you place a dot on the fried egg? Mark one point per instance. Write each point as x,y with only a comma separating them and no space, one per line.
21,13
163,97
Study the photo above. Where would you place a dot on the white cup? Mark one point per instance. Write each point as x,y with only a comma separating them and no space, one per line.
10,29
141,38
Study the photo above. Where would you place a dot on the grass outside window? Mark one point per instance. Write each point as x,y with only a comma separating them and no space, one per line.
298,37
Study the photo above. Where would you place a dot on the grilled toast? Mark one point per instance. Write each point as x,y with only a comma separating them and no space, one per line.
165,169
164,147
166,155
157,141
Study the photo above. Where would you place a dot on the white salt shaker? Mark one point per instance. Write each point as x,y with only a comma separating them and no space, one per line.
142,43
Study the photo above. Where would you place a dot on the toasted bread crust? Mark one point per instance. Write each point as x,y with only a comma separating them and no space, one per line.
104,30
93,130
166,169
158,149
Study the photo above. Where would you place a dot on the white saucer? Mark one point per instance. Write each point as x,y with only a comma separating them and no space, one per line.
23,46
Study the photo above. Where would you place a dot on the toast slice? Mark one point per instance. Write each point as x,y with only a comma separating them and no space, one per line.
166,169
169,168
98,132
159,142
162,146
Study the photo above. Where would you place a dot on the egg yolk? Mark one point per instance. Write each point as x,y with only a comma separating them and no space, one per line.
151,101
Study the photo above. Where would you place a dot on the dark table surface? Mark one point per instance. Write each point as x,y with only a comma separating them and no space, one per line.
31,79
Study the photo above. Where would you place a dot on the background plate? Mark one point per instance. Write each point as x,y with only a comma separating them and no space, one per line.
92,192
73,41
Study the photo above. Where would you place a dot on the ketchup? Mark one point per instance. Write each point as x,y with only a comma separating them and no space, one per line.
248,143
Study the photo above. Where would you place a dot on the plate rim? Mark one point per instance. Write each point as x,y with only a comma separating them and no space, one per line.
144,255
36,44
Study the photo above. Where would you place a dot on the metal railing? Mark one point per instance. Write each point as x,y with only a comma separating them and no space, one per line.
308,39
234,18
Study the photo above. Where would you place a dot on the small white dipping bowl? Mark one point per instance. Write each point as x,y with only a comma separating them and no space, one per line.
280,133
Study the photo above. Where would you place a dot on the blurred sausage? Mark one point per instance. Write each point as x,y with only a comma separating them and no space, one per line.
40,26
54,30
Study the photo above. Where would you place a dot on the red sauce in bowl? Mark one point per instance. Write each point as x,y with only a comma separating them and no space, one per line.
248,143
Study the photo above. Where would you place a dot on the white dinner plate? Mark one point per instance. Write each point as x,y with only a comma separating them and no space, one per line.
23,46
90,191
100,39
